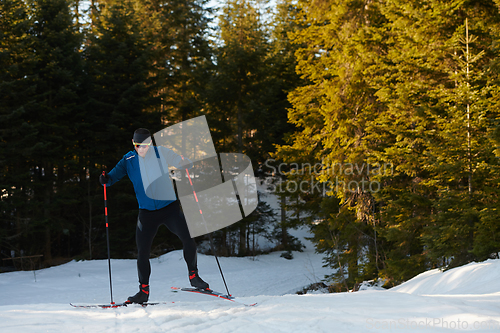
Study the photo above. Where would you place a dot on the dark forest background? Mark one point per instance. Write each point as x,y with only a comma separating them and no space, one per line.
394,105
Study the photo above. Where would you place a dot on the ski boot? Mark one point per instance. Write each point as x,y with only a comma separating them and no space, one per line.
141,297
196,281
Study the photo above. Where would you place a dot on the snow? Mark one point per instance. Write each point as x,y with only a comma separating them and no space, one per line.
474,278
462,299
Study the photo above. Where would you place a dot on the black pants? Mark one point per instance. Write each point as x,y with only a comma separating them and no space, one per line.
147,226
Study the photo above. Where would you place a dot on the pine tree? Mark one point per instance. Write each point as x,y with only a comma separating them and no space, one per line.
56,74
431,133
233,96
269,121
119,99
16,87
410,65
331,111
456,147
178,34
383,95
239,78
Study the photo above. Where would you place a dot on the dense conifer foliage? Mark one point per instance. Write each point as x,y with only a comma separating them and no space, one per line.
376,123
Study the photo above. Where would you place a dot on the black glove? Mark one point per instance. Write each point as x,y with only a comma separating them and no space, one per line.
104,178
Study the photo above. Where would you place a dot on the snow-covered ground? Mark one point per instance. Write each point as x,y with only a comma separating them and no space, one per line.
463,299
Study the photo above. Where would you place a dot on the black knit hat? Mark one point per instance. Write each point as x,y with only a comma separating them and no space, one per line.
141,135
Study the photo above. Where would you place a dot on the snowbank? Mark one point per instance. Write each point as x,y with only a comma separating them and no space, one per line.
471,279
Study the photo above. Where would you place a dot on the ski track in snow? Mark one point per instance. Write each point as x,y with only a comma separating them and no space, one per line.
462,299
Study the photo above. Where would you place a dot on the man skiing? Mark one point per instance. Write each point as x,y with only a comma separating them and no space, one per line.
154,212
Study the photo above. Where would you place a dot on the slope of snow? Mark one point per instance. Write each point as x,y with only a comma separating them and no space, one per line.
463,299
474,278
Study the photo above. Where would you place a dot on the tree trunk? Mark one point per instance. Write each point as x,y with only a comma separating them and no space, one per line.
243,240
46,209
284,231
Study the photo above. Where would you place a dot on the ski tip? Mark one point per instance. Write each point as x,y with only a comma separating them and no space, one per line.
116,305
102,306
210,292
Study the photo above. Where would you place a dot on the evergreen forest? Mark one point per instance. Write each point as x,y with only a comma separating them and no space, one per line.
375,124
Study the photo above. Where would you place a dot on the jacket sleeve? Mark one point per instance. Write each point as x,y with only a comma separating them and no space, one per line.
175,160
118,172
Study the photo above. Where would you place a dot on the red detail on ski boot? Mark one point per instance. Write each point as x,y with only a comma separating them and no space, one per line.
196,281
141,297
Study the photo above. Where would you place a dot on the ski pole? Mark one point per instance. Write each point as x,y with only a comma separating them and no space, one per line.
107,239
209,234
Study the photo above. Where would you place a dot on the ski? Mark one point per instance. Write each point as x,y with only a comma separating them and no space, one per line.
114,306
210,292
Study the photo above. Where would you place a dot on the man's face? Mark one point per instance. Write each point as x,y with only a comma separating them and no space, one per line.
141,148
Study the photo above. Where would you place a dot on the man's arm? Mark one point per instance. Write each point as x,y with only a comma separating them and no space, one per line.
118,172
175,160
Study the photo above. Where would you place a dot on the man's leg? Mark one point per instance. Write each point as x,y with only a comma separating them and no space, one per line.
147,226
176,222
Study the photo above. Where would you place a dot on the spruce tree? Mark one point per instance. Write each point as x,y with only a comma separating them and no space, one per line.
16,88
178,34
120,98
331,111
386,91
433,126
234,89
433,132
57,75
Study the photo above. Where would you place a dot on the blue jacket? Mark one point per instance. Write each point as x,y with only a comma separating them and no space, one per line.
149,175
